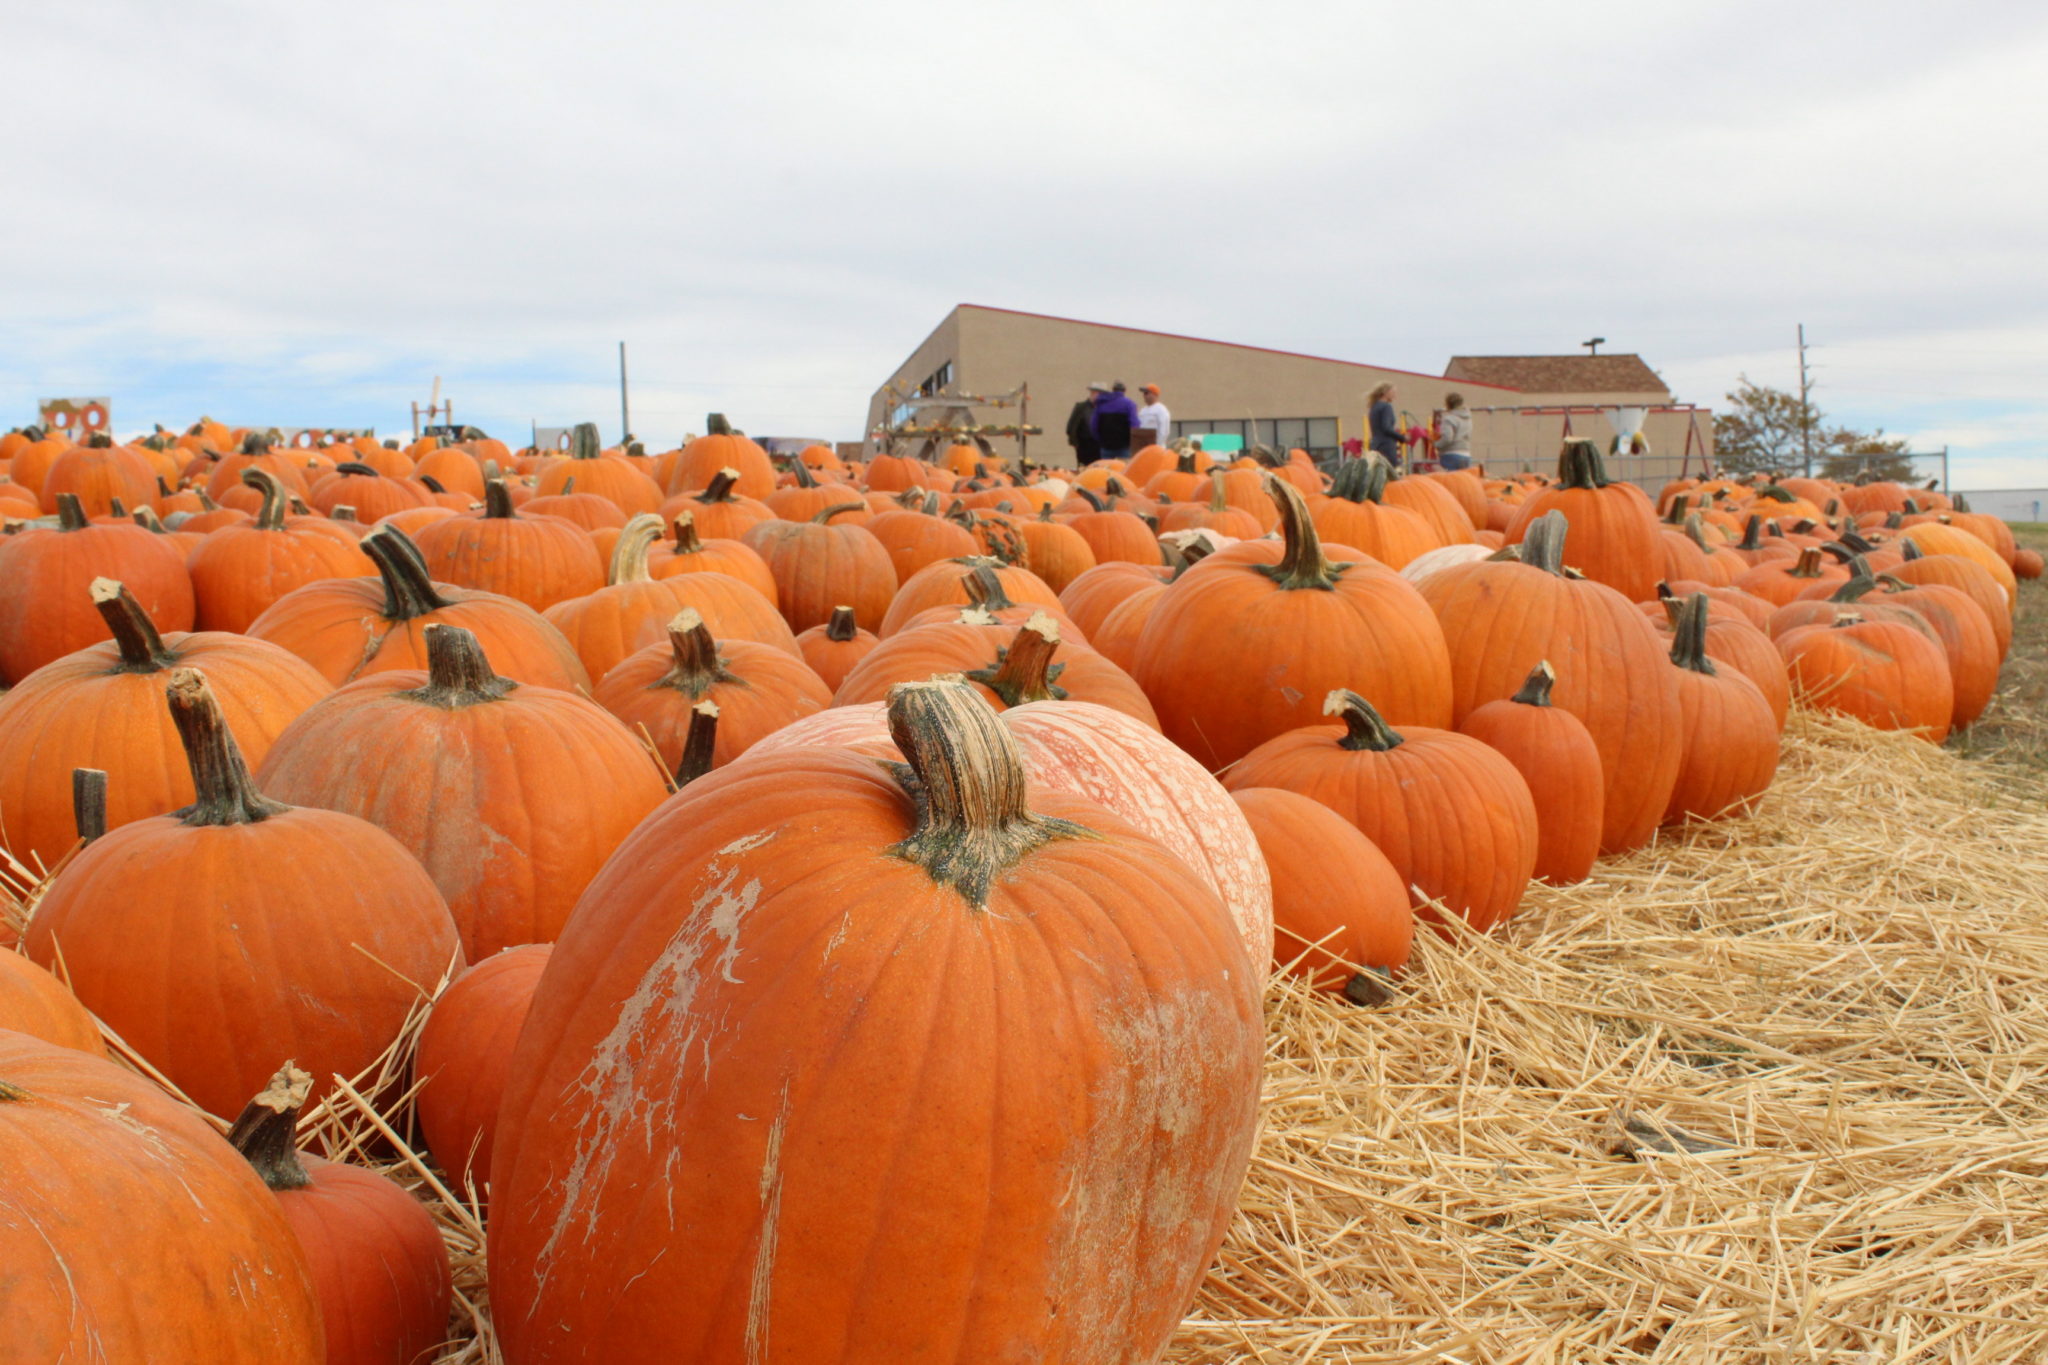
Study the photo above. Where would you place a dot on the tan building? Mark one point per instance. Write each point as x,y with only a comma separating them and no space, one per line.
1278,397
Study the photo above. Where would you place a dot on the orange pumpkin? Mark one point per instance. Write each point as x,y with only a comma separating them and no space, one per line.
36,1003
1614,535
465,1056
46,610
823,563
1886,674
1555,754
834,648
1009,665
1338,904
841,932
1731,737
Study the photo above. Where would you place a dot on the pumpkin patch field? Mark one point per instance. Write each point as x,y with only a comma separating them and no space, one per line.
470,904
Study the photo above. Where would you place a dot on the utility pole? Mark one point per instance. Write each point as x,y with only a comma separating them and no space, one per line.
1805,405
625,416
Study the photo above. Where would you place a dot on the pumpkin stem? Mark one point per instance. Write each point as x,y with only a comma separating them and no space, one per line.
984,586
434,485
408,588
1216,503
720,487
1536,687
458,674
1303,564
629,556
1024,672
697,666
1689,635
583,442
842,627
1362,480
1675,515
206,502
802,474
270,517
965,778
358,468
89,802
1808,565
142,649
1363,727
1543,542
699,744
1696,532
265,1132
824,518
1087,495
498,501
227,795
70,513
1856,587
685,528
1912,551
1752,533
343,512
1579,465
717,425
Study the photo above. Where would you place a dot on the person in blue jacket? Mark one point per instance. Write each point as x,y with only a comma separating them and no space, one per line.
1385,424
1116,417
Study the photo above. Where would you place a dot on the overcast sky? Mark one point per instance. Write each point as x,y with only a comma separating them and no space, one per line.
300,215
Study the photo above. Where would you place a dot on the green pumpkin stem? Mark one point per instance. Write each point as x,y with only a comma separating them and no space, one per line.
408,588
265,1133
716,425
983,585
1543,542
498,501
1752,533
965,779
135,635
720,488
583,442
1689,635
1302,563
1536,687
1363,726
1579,465
226,793
1809,565
270,517
1024,672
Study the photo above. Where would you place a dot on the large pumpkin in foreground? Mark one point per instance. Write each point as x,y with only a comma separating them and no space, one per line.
840,1062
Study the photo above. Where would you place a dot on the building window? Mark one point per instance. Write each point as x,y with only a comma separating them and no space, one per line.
1316,435
937,381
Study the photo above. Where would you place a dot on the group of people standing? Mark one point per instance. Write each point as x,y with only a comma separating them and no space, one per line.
1453,429
1101,425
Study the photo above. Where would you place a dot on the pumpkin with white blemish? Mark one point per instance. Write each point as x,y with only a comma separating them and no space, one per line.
843,1060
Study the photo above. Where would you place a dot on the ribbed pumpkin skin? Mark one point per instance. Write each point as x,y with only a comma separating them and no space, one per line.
833,659
1966,637
1331,887
1731,740
1500,620
936,650
1889,676
1394,536
45,612
538,560
215,951
1614,535
144,1238
36,1003
1093,595
1969,578
1452,816
818,567
1555,754
239,572
945,585
1118,636
377,1264
766,691
510,805
1056,552
1751,653
730,557
338,626
85,711
899,1128
465,1056
917,540
1932,538
1231,659
701,460
98,475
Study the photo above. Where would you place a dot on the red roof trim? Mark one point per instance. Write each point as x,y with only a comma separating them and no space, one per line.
1237,345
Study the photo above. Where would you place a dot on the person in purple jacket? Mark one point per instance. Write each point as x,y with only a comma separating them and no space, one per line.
1116,417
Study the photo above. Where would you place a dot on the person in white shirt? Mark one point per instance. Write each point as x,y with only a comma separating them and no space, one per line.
1155,415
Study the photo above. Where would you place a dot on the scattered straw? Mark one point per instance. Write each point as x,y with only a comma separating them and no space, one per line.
1770,1090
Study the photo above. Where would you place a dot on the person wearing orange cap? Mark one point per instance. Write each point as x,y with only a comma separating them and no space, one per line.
1154,414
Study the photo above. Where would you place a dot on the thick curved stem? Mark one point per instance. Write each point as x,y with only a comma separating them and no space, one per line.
1363,726
720,488
965,778
824,518
408,589
1302,563
135,635
266,1131
984,585
227,795
629,556
458,674
270,517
